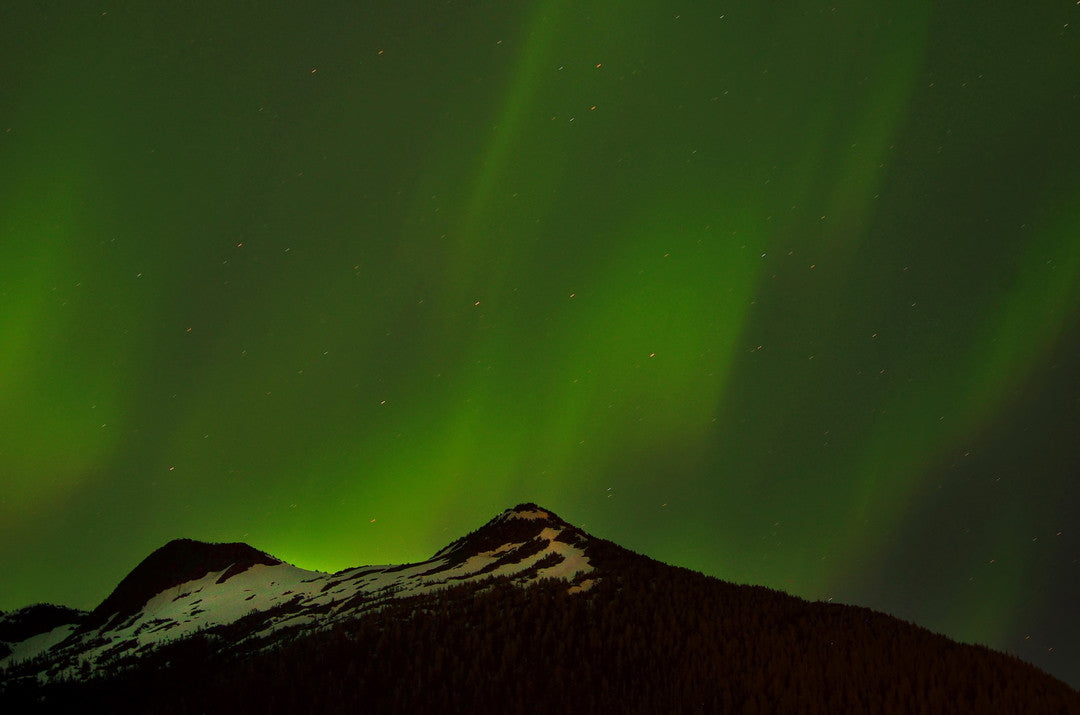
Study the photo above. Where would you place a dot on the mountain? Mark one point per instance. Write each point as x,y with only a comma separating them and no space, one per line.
526,614
188,587
33,629
178,562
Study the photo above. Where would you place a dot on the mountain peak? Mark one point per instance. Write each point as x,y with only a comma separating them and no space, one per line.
522,523
179,561
531,512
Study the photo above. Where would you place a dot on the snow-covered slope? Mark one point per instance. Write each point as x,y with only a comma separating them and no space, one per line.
247,598
29,631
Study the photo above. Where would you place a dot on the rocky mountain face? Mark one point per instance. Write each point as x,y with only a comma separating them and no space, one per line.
526,614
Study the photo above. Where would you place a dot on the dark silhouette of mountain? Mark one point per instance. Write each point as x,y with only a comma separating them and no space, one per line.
525,614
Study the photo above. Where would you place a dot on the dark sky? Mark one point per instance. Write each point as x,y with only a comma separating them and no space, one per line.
783,292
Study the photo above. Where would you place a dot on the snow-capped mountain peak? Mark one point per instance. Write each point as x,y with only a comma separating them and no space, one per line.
519,525
250,598
175,563
227,628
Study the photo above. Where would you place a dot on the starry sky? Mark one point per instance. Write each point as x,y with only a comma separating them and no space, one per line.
787,293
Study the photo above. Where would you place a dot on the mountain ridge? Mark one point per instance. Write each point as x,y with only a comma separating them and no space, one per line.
616,628
187,586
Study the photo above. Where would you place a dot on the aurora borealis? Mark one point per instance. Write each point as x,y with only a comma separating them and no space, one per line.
783,292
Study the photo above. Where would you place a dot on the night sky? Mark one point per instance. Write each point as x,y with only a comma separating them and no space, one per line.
787,293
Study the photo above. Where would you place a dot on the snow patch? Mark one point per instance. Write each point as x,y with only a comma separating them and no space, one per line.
37,644
574,562
532,514
583,586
